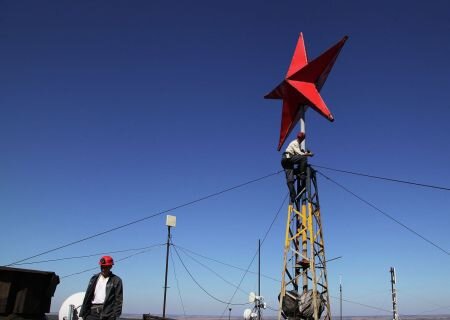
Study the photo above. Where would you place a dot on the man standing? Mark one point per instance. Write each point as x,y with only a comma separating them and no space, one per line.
292,157
104,294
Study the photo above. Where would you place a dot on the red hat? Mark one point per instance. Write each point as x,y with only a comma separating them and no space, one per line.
301,136
106,261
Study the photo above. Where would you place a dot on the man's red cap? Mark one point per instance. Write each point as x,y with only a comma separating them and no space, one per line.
106,261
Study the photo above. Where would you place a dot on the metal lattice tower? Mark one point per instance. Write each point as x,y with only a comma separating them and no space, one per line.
304,286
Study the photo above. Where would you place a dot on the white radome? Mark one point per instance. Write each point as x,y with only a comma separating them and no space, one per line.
76,299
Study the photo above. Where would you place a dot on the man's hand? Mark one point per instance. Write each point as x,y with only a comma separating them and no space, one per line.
307,153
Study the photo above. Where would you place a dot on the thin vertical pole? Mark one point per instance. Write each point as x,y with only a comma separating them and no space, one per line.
302,207
259,279
394,295
303,126
340,294
259,267
167,268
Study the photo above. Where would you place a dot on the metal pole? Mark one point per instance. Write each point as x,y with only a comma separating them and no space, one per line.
167,267
303,125
394,295
259,279
71,309
229,313
340,294
301,223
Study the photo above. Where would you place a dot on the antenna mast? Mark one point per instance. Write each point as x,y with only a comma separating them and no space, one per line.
171,221
259,278
340,296
394,294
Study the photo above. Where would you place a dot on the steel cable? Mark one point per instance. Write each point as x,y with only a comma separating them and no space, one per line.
201,287
385,214
146,218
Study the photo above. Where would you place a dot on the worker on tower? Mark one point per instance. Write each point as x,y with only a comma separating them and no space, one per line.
295,158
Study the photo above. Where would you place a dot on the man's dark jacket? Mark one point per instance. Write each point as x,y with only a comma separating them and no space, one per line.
112,307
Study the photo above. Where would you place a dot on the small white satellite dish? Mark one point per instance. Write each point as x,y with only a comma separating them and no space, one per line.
251,297
247,314
76,300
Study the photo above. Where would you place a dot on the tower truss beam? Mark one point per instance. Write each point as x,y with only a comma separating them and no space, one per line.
304,286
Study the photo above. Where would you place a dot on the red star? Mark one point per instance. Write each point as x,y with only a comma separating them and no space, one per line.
302,84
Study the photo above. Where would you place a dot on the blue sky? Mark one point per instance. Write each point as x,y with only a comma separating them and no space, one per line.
112,111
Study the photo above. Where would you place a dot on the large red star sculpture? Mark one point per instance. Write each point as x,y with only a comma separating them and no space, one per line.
302,84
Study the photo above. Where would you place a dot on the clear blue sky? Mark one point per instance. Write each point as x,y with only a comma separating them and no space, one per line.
112,111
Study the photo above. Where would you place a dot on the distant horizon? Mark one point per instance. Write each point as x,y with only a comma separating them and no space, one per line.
136,316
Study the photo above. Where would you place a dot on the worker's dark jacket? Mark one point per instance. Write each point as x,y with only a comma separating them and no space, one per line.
112,307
